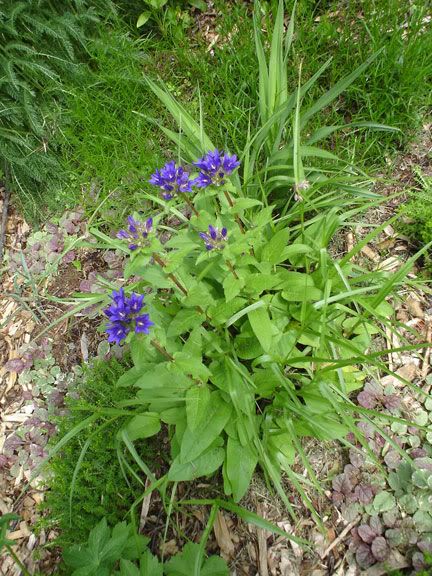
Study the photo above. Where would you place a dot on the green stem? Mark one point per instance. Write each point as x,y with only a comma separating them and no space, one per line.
170,275
191,205
161,349
237,217
231,268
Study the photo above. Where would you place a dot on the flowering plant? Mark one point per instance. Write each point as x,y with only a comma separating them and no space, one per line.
254,333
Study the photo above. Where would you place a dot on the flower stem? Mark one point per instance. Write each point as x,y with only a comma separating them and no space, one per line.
237,217
191,205
231,268
161,349
171,276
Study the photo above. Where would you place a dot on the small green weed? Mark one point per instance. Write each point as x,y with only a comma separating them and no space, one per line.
416,214
122,548
99,488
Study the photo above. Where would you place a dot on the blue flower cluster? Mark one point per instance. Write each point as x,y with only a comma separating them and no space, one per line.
214,239
124,314
172,180
213,169
137,232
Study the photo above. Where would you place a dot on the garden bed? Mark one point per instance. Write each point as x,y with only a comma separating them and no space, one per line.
247,549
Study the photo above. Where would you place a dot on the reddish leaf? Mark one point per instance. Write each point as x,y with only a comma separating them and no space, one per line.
380,548
367,400
376,525
364,556
356,457
391,401
366,533
364,493
342,484
392,459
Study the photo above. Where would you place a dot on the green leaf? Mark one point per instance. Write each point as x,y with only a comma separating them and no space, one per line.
136,265
199,4
184,321
195,442
240,465
185,563
262,327
232,287
247,347
78,557
383,502
244,311
273,251
161,376
206,464
143,426
112,550
197,401
155,277
220,313
198,295
298,287
157,4
127,568
149,565
423,521
98,537
257,283
191,365
244,203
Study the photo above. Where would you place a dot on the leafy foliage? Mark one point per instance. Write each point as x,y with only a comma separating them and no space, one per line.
264,330
122,552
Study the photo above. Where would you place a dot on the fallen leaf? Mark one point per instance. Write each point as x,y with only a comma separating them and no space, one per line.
223,537
414,307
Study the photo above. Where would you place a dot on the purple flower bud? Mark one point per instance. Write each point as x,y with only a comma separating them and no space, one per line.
214,239
137,232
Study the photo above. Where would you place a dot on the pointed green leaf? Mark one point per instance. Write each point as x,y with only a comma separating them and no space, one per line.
195,442
197,400
272,252
240,465
262,327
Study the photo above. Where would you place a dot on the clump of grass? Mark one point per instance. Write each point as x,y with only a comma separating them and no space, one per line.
112,144
99,488
108,147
